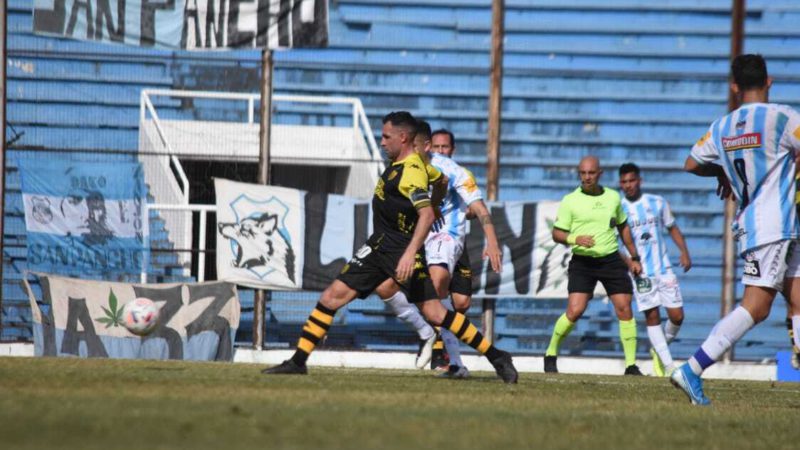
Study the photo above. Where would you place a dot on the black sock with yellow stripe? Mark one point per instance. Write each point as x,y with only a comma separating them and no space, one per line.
314,330
460,326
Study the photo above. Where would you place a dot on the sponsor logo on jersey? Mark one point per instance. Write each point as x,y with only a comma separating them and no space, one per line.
745,141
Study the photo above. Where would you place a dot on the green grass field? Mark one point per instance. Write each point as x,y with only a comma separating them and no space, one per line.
112,404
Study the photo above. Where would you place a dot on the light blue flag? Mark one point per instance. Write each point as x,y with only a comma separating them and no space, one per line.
85,219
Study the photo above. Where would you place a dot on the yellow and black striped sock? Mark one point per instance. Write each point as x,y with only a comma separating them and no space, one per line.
438,346
314,330
460,326
789,329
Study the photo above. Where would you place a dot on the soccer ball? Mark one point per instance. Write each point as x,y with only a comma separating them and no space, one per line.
140,316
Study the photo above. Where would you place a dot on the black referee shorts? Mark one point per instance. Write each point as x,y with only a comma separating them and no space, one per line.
611,270
372,265
461,282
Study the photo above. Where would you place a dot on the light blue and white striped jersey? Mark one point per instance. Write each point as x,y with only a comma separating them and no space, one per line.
756,146
648,217
462,189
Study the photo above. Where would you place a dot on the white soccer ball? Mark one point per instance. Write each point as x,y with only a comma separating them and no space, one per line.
140,316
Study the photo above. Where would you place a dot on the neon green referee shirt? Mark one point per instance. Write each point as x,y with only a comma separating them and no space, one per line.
595,215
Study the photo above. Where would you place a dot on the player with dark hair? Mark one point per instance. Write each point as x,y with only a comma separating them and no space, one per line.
657,285
444,246
588,220
402,217
755,147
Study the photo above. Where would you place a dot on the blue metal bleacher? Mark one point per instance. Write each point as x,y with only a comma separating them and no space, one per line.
627,80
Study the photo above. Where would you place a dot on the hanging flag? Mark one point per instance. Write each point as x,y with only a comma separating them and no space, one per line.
187,24
276,238
197,321
85,219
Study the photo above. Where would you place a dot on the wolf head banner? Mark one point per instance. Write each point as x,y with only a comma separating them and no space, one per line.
276,238
187,24
258,229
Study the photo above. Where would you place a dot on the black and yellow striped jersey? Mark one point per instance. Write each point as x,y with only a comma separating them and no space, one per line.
401,190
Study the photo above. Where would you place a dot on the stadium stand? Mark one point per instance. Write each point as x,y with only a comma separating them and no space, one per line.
626,80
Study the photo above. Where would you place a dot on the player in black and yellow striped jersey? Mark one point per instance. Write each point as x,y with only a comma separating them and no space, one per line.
402,216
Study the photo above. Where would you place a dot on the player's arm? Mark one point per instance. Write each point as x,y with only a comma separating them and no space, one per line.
414,186
567,238
561,233
677,237
700,163
492,250
405,267
438,182
634,265
438,190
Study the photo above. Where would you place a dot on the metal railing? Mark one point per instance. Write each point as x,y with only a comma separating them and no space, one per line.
167,178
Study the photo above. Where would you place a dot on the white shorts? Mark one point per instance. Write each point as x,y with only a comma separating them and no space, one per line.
662,290
768,265
442,248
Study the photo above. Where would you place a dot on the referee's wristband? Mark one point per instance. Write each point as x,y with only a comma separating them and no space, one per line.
636,258
571,239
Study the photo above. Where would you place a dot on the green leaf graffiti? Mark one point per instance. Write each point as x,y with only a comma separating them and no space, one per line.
113,316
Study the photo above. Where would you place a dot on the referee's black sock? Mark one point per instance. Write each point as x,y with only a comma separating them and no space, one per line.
317,325
461,327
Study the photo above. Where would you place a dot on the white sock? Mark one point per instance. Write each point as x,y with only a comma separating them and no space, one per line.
656,335
724,334
796,331
451,342
409,314
670,331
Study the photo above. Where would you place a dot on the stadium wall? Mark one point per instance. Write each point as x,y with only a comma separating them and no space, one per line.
625,80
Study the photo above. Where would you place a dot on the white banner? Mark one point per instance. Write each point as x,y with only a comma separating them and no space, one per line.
259,232
198,321
187,24
276,238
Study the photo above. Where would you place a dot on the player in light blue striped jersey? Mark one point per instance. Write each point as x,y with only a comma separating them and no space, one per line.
648,215
752,151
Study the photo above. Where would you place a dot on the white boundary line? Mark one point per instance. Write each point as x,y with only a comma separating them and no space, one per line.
405,360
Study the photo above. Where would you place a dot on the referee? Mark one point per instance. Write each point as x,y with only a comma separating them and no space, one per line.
588,220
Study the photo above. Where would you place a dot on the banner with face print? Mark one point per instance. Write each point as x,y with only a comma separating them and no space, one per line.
85,219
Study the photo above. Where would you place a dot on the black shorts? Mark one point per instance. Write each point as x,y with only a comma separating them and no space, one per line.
461,283
371,266
611,270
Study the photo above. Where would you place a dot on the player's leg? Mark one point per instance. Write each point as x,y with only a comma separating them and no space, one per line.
576,306
396,299
672,301
659,351
627,330
581,281
791,291
441,252
421,291
316,327
461,296
613,273
440,276
463,329
359,277
761,286
792,327
673,324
